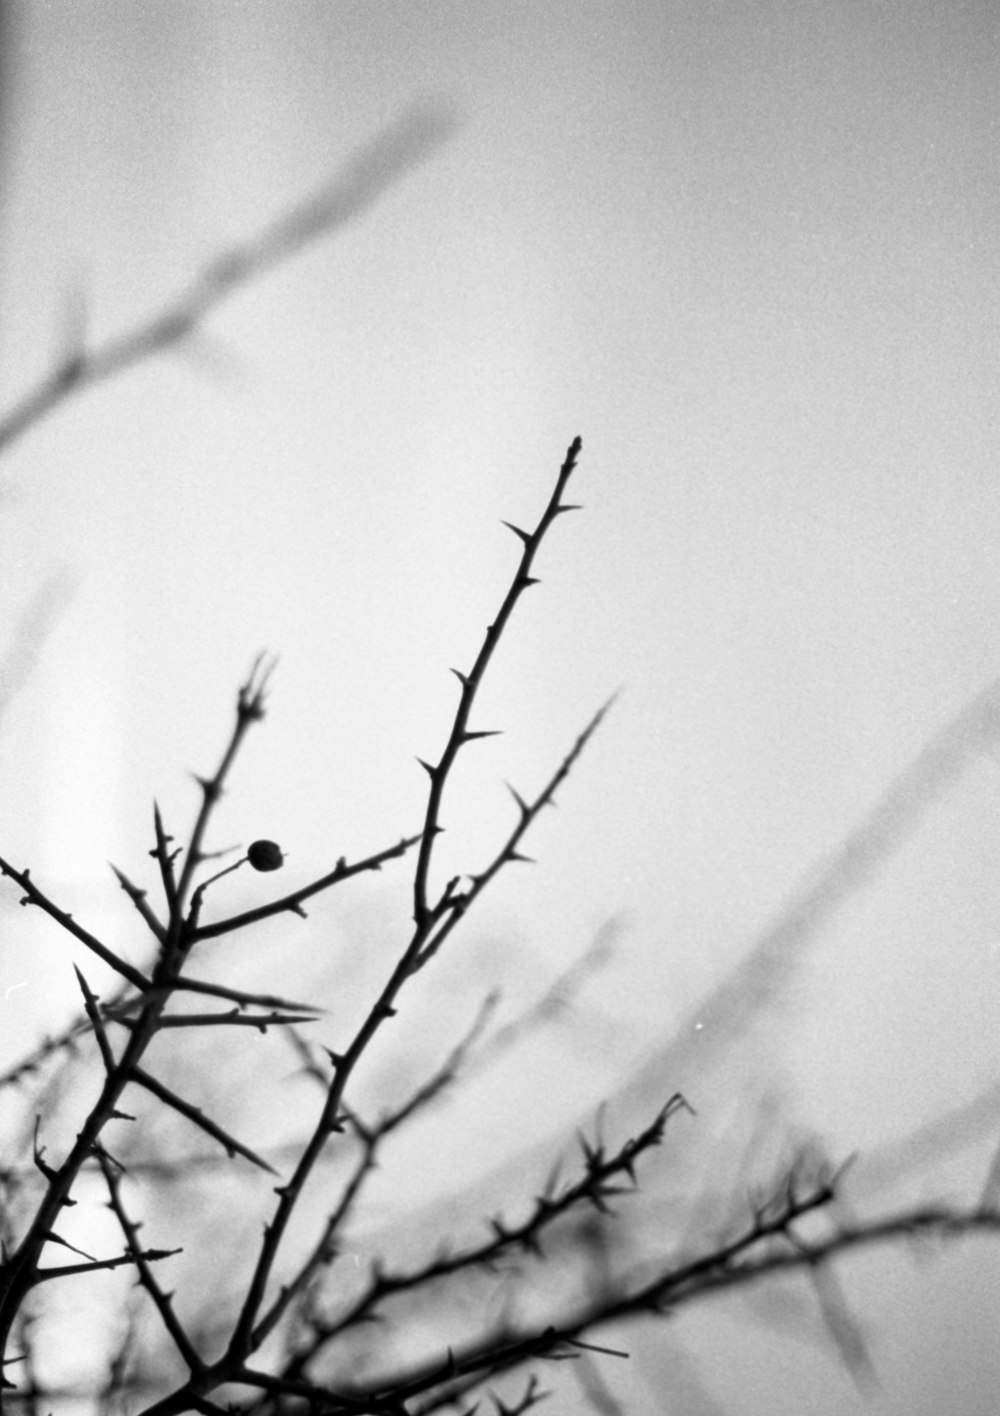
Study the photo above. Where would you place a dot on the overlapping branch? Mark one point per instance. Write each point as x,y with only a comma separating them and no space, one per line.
768,1244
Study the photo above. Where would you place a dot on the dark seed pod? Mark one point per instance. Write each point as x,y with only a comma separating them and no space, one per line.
265,855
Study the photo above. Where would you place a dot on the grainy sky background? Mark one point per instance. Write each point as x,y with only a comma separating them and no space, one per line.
748,251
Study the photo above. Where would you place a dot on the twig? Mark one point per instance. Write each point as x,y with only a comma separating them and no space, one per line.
232,1018
94,1014
165,859
34,896
130,1230
138,898
293,903
461,733
452,905
198,1118
509,1348
250,708
184,984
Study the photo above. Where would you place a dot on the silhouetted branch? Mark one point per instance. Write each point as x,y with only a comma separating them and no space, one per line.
461,733
34,896
293,903
198,1118
162,1300
138,898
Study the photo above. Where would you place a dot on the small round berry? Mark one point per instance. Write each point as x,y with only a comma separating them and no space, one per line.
265,855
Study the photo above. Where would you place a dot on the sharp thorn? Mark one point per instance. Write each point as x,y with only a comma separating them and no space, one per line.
522,805
523,535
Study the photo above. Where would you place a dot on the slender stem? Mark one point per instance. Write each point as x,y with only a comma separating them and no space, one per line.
460,733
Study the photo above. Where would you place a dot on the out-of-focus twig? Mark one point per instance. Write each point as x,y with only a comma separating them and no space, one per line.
413,137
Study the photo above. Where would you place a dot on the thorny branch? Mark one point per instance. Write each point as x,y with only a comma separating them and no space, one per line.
461,733
767,1245
600,1183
